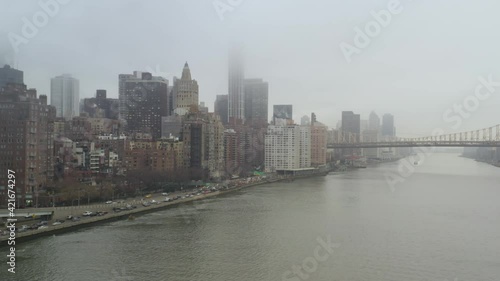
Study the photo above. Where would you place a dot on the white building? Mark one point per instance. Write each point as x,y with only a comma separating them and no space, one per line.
287,147
65,96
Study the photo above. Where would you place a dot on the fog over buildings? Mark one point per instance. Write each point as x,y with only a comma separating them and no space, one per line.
415,69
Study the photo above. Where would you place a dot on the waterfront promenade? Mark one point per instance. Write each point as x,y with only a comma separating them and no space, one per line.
60,213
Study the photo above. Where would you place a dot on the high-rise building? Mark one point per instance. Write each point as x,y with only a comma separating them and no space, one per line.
305,120
202,108
236,99
351,123
26,143
388,128
221,108
256,102
283,112
319,139
232,153
351,130
65,96
185,92
287,147
144,102
101,106
10,75
171,126
203,137
374,122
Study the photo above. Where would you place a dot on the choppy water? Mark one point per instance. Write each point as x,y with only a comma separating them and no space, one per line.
441,223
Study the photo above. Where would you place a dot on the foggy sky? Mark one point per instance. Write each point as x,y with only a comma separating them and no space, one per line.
426,60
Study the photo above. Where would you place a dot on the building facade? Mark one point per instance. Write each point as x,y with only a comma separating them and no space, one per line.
65,96
256,102
236,99
185,92
145,102
287,147
26,143
9,75
221,108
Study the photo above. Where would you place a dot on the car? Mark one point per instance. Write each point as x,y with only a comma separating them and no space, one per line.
87,213
167,199
109,202
148,196
43,227
69,217
154,202
146,204
43,222
56,223
101,213
165,194
75,219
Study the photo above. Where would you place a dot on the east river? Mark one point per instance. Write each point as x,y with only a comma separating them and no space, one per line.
441,222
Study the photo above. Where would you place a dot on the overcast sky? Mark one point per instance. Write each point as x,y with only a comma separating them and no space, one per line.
427,59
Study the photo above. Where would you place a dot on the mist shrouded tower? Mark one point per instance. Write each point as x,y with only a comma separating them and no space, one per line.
236,99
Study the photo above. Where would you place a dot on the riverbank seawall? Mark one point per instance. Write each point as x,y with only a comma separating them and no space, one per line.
88,222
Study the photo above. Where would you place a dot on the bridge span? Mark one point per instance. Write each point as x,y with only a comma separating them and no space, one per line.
488,137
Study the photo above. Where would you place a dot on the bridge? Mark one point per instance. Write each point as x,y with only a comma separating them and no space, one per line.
488,137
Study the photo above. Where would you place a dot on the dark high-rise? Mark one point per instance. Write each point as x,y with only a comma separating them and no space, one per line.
388,128
143,103
256,102
10,75
351,130
284,112
26,142
221,107
101,106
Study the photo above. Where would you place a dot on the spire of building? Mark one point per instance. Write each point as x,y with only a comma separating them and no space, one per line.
186,72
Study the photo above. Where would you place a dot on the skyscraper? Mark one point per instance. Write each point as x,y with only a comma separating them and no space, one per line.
256,102
388,128
374,122
236,101
283,112
65,96
26,142
351,130
145,101
185,92
221,107
10,75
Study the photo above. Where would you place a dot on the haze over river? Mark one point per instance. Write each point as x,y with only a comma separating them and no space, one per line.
441,223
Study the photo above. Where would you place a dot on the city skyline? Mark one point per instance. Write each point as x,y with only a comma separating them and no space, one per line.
332,85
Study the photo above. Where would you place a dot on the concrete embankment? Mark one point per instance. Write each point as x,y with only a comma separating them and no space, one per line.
87,222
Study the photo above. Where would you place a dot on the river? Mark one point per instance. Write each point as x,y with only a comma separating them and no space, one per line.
441,223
